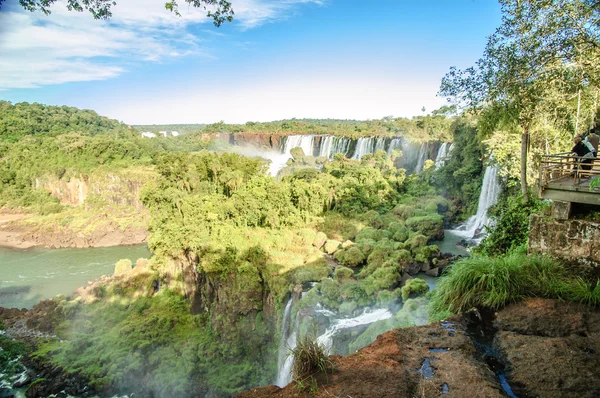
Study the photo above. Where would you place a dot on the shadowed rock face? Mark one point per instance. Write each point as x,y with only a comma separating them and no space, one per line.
575,241
548,349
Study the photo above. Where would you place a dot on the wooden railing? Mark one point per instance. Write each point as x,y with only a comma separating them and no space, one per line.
566,167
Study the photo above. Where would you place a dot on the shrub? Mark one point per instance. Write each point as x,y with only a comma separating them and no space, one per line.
353,257
424,253
511,224
342,274
414,288
382,278
430,225
122,267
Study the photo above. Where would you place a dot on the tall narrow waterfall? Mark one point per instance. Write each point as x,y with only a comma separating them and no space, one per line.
490,191
422,157
443,155
395,143
287,342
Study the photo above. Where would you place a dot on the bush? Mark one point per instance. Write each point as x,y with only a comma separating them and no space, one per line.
511,224
414,288
430,225
122,267
353,257
342,274
382,278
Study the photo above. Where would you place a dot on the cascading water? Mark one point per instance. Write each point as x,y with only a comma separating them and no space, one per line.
288,342
364,145
380,144
395,143
306,142
421,158
490,191
443,155
367,317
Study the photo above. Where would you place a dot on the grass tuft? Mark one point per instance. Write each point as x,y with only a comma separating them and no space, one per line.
495,282
310,358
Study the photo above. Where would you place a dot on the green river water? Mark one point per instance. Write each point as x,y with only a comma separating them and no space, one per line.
26,276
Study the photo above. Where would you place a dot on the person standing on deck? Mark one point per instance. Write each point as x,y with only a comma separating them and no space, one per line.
593,139
581,150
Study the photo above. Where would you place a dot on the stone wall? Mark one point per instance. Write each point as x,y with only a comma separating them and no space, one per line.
575,241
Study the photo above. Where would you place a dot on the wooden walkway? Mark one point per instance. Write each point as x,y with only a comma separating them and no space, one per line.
559,181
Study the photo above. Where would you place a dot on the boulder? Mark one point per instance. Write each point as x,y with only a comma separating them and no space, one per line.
331,246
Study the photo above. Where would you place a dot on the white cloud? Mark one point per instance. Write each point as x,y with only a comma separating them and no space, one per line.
38,50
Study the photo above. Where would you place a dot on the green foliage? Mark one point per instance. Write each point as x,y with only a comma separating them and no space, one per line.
510,228
310,358
495,282
461,176
414,287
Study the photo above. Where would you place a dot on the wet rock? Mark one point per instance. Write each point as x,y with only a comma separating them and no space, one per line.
412,269
550,348
434,272
6,393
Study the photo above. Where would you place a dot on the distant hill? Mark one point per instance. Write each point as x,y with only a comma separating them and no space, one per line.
23,119
180,128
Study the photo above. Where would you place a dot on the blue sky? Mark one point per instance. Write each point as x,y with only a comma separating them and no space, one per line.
279,59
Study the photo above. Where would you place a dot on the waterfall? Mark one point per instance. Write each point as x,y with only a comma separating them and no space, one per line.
490,191
395,143
367,317
286,343
380,144
422,157
330,145
364,145
443,155
327,145
306,142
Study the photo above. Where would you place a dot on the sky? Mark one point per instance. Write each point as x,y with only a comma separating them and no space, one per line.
279,59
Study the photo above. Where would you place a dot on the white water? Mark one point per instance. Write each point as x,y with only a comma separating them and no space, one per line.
367,317
364,145
287,343
290,335
422,157
414,155
443,155
490,191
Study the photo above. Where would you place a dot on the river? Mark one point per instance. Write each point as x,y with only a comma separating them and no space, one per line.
27,276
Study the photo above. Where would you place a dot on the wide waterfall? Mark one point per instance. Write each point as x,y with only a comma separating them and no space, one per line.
490,191
413,158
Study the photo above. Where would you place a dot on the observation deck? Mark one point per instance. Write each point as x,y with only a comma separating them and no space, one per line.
563,178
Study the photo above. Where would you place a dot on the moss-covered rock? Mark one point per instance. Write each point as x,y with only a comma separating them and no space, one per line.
431,225
413,288
353,257
343,274
382,278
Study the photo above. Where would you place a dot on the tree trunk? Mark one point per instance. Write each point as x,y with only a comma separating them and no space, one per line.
524,150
